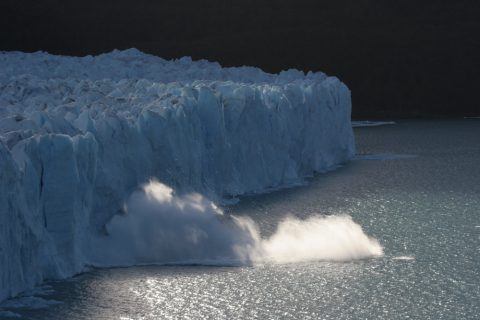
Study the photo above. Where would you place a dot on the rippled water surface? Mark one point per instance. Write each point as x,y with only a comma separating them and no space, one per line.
415,186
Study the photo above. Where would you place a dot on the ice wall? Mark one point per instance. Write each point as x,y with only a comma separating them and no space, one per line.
79,135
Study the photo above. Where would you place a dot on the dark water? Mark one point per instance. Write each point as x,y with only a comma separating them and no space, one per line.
422,203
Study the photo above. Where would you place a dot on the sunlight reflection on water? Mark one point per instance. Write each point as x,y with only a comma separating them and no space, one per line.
424,210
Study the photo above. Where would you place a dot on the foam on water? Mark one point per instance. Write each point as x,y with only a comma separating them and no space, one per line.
160,227
404,258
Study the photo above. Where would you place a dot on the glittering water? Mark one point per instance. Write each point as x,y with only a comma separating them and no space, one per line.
421,201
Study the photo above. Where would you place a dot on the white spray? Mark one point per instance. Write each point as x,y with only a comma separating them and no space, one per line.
160,227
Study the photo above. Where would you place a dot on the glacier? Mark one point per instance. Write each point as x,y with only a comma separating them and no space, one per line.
79,135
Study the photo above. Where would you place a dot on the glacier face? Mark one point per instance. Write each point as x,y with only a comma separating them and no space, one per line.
79,135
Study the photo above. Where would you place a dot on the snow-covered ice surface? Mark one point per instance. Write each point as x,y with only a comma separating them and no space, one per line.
79,135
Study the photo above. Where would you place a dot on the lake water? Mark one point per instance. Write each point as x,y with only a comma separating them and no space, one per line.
415,187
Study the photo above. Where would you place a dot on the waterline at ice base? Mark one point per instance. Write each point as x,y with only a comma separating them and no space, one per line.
80,136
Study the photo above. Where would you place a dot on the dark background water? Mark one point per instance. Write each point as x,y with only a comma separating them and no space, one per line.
405,58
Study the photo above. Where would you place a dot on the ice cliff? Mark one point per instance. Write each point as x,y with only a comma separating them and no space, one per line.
79,135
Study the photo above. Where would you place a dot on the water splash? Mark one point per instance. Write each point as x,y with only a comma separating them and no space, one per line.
331,238
160,227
